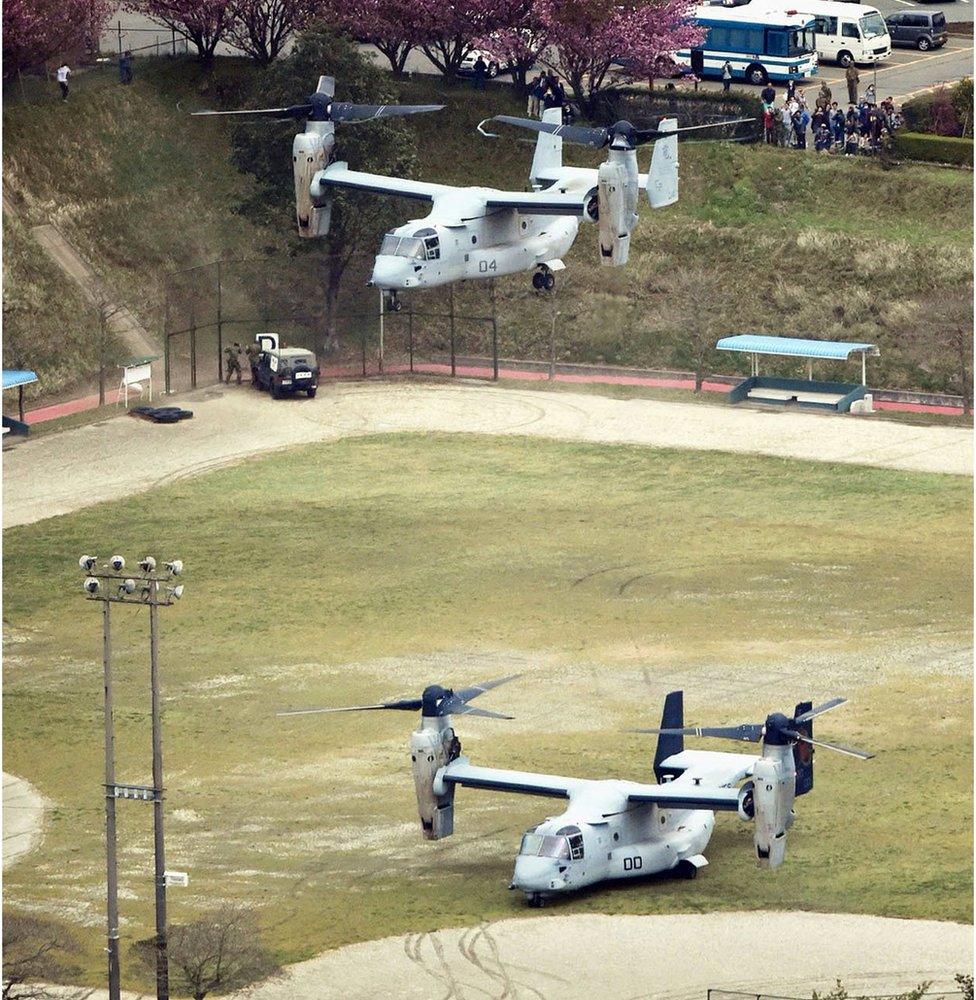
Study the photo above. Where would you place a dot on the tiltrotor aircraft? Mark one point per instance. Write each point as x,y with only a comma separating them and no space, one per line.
615,829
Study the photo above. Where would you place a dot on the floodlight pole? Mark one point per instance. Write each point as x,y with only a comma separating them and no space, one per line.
162,958
111,849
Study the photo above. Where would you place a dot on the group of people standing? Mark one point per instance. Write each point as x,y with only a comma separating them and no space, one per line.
864,128
545,91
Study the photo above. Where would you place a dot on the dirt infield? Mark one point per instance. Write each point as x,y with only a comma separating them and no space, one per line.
60,473
23,819
638,958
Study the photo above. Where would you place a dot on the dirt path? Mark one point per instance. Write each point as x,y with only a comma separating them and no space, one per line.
637,958
60,473
23,819
119,319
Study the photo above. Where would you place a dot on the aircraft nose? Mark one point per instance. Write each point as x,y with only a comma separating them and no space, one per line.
537,874
391,272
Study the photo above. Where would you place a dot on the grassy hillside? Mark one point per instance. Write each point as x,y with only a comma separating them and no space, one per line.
460,558
762,239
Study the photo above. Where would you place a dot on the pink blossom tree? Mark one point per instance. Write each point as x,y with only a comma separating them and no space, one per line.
35,31
518,41
203,22
587,37
447,30
260,28
390,25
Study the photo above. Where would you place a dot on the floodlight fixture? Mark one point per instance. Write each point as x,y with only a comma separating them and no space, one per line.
175,566
91,584
148,564
127,586
175,592
87,563
117,563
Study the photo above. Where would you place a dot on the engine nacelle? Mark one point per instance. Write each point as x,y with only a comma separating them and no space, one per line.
774,786
311,152
617,196
431,748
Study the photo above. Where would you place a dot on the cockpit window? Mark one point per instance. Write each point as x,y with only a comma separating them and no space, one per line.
433,247
402,246
543,846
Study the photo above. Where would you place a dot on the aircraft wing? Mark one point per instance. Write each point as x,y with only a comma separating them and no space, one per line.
338,175
460,772
538,202
708,780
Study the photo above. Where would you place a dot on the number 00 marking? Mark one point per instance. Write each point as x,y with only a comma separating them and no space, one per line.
633,864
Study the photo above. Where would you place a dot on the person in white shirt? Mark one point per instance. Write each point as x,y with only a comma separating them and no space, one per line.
63,73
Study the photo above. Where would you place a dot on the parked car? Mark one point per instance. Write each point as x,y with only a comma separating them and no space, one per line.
918,29
467,64
286,370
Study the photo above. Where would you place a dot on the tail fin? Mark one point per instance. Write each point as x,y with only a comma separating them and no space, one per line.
548,149
662,179
673,717
803,752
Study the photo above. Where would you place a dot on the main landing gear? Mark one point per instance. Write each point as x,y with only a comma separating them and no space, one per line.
391,301
536,900
543,279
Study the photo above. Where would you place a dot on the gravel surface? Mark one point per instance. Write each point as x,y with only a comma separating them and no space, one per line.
61,473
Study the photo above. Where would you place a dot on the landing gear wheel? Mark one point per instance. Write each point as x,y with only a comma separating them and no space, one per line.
549,281
391,302
537,900
685,869
538,281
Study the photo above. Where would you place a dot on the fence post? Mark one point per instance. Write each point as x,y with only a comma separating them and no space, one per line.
120,37
382,310
494,335
193,349
453,362
166,338
220,328
362,340
410,336
173,30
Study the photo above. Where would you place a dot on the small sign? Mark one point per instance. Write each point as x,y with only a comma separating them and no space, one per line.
177,878
143,793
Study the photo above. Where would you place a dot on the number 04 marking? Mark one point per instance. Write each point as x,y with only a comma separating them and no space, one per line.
487,265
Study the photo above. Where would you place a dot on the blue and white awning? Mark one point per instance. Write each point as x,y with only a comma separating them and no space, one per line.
795,347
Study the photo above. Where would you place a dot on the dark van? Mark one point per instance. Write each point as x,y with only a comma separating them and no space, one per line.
918,29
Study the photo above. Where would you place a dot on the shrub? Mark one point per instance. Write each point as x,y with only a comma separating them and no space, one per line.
934,148
947,111
961,96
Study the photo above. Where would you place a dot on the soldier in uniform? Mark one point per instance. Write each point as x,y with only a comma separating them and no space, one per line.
233,362
252,351
853,79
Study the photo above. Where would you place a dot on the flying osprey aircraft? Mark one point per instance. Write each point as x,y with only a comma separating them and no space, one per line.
615,829
481,232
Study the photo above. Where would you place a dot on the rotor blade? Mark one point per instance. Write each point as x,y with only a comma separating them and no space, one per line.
282,114
839,747
342,112
326,86
647,134
470,710
403,704
820,709
583,135
469,693
747,733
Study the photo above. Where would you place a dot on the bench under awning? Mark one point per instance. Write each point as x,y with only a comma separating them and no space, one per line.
797,347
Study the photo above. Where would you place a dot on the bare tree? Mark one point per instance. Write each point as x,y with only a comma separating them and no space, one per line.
37,952
221,951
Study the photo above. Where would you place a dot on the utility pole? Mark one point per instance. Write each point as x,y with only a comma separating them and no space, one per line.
111,851
111,585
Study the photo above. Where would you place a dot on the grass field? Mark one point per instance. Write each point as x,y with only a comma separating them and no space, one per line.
360,570
762,239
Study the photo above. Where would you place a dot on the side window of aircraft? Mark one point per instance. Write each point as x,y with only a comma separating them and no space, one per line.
575,838
433,244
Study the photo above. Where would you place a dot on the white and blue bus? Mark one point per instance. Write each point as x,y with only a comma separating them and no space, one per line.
760,44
